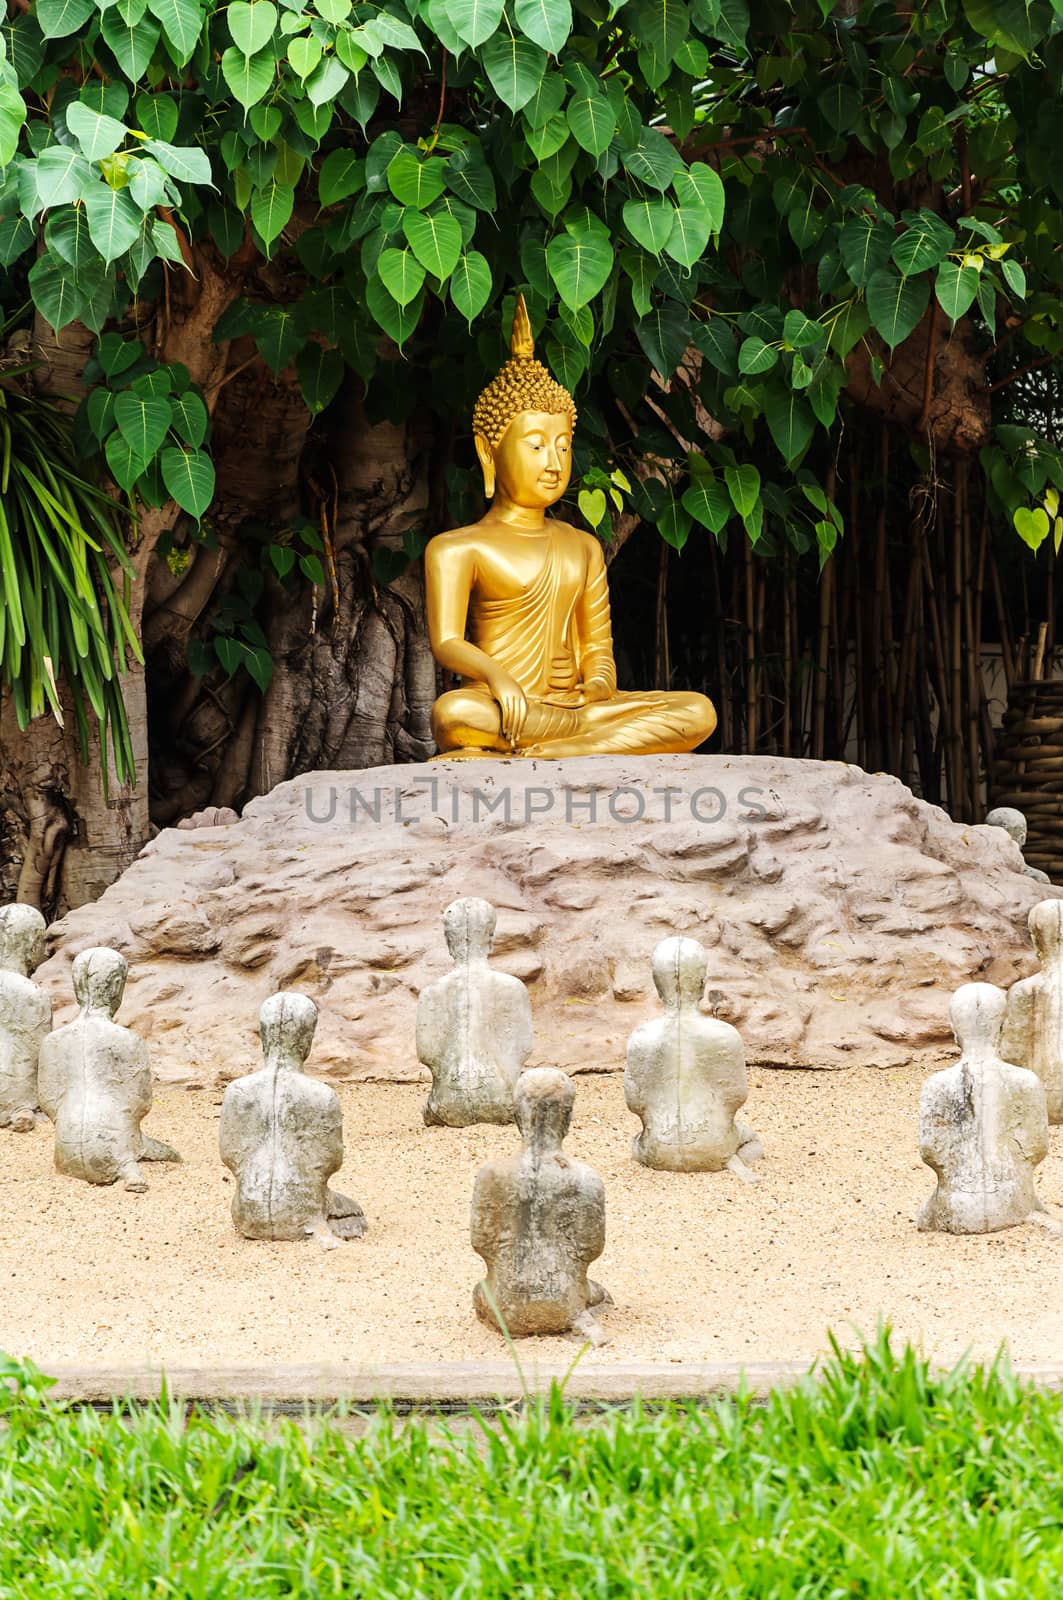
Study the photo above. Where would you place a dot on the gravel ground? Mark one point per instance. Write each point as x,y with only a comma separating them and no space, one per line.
700,1266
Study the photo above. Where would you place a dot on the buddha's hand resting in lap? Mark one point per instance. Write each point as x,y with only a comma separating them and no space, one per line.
583,694
512,704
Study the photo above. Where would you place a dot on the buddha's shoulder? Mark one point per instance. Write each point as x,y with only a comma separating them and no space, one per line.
457,541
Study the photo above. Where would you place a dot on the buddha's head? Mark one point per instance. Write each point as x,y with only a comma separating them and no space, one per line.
523,424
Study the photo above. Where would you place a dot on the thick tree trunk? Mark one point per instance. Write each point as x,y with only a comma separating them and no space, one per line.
61,841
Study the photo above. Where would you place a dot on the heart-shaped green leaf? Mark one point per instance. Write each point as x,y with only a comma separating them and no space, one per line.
143,422
790,421
755,356
592,505
122,460
413,181
249,77
402,275
956,287
650,222
1032,526
896,304
271,210
97,135
470,284
320,375
132,45
114,220
435,239
689,237
189,417
474,21
743,484
514,66
664,334
708,503
304,53
700,188
342,174
580,267
251,26
189,478
593,122
547,23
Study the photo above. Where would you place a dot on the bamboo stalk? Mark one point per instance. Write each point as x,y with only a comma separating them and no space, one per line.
751,653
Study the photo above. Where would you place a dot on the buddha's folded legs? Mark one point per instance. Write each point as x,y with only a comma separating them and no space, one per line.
670,722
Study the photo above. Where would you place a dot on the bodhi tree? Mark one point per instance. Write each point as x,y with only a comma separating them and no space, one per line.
262,255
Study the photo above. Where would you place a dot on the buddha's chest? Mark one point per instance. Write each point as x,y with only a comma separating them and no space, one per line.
511,569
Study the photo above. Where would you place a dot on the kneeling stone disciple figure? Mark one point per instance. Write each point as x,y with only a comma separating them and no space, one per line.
281,1135
518,603
686,1076
474,1027
983,1126
95,1082
538,1221
1033,1026
25,1015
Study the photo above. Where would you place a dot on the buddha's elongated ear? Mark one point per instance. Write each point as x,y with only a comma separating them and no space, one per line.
486,457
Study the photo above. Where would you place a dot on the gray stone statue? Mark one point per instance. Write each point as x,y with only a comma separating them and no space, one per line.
538,1221
25,1015
474,1027
1033,1027
983,1126
686,1076
95,1082
281,1135
1014,824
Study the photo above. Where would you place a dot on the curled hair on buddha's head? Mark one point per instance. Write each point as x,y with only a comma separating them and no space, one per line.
523,384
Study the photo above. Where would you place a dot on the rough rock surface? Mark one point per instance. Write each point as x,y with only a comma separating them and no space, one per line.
839,912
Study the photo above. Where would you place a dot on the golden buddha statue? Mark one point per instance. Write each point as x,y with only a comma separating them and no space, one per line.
518,603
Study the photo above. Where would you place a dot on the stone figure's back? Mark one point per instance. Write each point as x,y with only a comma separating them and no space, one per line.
95,1084
1035,1013
547,1234
689,1073
25,1017
290,1133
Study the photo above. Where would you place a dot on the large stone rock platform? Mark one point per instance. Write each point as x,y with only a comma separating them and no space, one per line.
840,912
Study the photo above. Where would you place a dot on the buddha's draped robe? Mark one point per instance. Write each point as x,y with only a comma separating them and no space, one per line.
557,634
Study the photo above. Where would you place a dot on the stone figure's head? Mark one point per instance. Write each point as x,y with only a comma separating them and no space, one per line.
99,976
469,929
523,424
286,1023
21,939
542,1103
976,1012
1046,929
1013,822
679,967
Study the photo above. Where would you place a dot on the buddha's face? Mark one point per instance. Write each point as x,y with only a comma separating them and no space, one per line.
532,462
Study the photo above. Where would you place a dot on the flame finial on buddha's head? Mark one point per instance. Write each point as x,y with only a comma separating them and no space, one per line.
523,384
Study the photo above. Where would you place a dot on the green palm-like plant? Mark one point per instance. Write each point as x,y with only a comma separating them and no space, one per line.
62,616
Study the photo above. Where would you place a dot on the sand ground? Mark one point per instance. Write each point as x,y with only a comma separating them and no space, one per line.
701,1267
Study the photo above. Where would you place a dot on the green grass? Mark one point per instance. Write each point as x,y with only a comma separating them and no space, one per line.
879,1479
